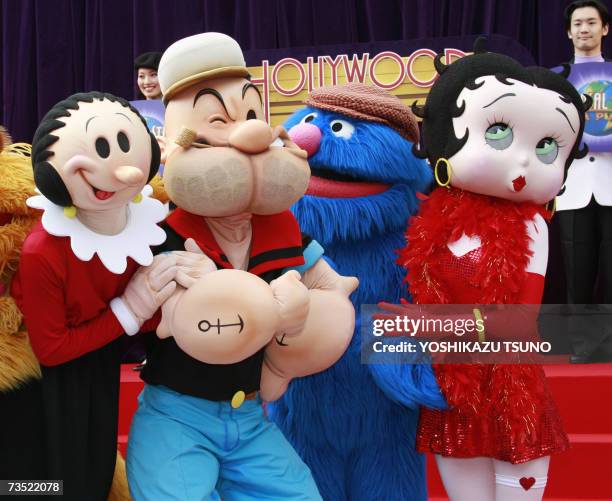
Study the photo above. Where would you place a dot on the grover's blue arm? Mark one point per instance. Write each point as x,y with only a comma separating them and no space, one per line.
405,382
405,377
409,384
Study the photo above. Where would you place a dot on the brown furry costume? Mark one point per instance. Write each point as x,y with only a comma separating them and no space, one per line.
17,361
20,372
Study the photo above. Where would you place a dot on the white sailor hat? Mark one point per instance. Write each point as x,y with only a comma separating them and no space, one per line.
199,57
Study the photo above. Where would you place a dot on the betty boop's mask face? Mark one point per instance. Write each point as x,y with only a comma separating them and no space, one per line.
520,137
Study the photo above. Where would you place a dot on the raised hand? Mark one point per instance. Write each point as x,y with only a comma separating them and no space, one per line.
192,264
294,302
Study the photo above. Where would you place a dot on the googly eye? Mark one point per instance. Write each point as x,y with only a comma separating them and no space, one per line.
123,142
499,136
547,150
102,147
308,118
342,128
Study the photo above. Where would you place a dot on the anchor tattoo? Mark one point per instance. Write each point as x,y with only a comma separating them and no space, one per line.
205,325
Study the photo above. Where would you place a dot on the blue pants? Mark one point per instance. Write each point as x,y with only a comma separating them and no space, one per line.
183,448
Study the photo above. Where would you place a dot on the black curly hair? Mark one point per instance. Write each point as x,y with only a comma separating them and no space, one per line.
604,15
46,177
438,135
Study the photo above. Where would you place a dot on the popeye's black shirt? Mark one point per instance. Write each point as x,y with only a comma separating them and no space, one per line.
277,243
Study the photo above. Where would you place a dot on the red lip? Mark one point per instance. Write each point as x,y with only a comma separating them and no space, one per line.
328,188
102,195
99,194
519,183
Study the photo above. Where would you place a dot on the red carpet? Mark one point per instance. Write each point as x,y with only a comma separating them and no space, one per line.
584,396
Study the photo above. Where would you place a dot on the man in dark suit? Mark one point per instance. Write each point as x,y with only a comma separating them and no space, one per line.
585,208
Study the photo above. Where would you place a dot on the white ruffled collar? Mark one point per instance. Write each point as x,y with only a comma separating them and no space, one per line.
134,241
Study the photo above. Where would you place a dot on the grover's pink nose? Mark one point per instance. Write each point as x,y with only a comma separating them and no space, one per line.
307,137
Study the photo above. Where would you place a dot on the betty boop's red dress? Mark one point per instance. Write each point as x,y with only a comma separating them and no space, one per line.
499,411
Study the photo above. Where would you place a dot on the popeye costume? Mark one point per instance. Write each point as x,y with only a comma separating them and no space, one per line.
208,422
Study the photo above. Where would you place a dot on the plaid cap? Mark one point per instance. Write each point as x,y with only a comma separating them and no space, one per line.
366,102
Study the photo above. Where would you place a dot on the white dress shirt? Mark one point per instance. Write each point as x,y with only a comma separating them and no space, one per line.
589,176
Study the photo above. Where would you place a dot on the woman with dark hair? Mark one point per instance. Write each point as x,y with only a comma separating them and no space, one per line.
146,65
500,138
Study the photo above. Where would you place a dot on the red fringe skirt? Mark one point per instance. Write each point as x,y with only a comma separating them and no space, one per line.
504,412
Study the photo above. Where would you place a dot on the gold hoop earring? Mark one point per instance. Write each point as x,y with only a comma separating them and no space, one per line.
449,173
137,199
70,212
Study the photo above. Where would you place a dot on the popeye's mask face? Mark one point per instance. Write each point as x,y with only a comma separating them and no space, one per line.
230,161
520,137
103,155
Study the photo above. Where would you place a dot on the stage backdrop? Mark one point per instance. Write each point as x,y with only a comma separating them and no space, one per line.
403,68
53,48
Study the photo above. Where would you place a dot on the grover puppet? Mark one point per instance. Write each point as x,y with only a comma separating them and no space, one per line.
354,424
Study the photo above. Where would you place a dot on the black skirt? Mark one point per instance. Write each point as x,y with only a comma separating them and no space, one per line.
21,433
67,424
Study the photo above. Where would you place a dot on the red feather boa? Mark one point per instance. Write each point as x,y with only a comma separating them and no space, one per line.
443,218
500,273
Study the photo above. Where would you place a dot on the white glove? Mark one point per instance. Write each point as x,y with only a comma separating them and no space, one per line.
146,291
192,264
294,302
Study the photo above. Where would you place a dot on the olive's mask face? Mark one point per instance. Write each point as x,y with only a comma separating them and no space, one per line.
234,162
103,155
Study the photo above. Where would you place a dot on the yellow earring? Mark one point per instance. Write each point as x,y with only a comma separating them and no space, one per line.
137,199
70,212
449,173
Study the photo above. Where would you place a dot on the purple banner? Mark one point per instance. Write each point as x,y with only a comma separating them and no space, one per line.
153,112
595,80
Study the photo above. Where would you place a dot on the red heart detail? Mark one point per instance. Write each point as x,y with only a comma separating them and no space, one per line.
527,483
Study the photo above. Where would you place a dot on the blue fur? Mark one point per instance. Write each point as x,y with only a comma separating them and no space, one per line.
355,424
374,152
